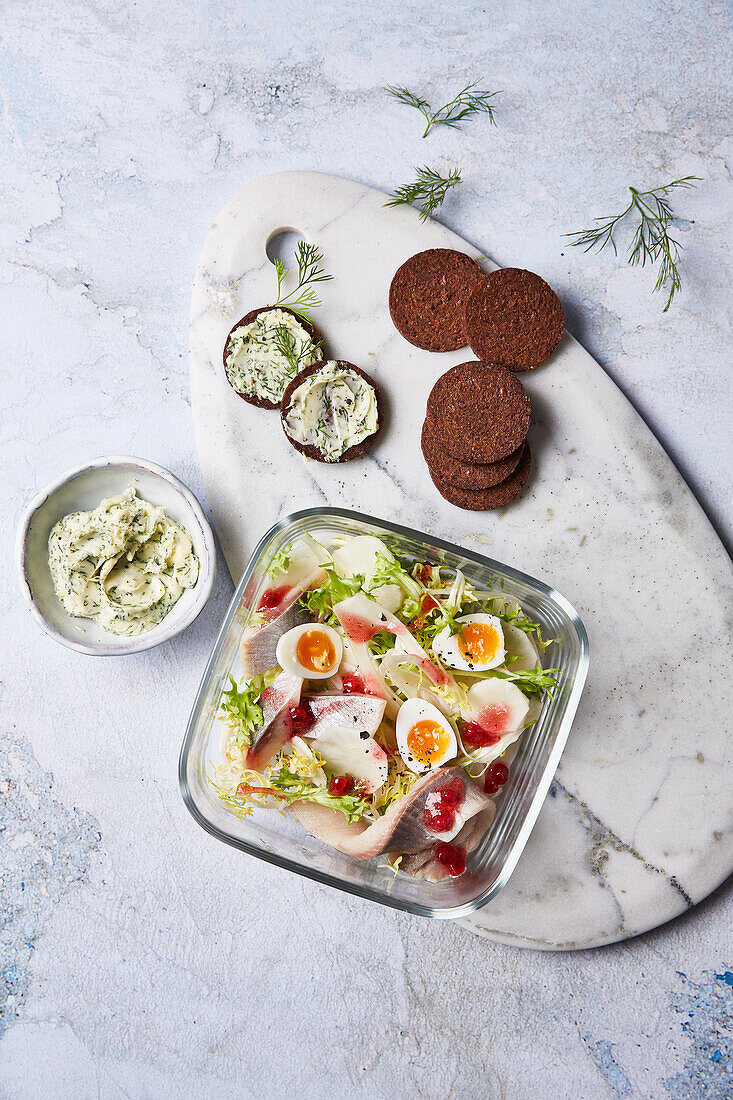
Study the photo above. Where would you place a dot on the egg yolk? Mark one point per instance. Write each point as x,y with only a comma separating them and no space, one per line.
427,741
315,651
480,642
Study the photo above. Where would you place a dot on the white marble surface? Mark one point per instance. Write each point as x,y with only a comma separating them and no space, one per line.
598,868
138,957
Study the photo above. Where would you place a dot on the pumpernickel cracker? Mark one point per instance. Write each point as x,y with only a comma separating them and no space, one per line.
428,295
481,500
481,412
308,449
464,475
248,319
513,317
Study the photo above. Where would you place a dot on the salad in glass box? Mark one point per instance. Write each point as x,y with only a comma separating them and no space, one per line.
376,702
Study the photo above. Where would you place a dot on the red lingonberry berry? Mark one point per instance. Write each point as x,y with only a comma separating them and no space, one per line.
341,784
499,772
301,717
452,857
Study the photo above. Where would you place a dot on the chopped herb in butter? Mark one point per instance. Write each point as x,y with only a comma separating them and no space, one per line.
263,357
333,410
124,564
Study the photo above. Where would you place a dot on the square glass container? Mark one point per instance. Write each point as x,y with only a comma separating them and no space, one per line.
278,839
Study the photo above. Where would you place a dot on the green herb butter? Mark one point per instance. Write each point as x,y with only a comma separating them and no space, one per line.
333,410
263,357
124,564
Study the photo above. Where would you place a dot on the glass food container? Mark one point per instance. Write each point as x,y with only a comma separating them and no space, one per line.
277,838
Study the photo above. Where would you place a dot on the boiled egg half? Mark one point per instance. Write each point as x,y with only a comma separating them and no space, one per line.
313,651
475,648
425,739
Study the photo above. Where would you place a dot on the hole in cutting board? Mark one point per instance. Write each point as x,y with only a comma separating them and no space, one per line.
281,245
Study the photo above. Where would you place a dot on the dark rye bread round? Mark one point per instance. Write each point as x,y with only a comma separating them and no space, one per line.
248,319
513,317
427,298
464,475
480,411
481,500
308,449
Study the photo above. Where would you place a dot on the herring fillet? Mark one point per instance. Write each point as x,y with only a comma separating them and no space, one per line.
257,649
402,829
354,711
425,865
277,727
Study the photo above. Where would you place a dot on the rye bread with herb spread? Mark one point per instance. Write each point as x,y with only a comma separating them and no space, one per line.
428,295
482,500
513,317
249,319
464,475
310,448
480,411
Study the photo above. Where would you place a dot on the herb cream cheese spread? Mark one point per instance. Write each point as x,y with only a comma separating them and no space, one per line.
264,356
124,564
333,409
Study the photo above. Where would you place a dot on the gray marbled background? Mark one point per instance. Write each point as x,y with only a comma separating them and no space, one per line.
139,958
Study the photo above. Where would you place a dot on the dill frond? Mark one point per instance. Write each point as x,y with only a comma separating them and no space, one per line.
470,101
652,241
302,298
427,192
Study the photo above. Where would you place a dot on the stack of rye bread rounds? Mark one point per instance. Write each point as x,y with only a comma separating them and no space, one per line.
474,438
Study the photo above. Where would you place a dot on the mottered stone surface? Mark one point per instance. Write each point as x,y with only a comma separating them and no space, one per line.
138,956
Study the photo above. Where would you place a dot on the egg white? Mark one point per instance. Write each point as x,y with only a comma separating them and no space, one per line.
287,657
445,645
419,710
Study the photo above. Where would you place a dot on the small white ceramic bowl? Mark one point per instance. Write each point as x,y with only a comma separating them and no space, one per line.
82,489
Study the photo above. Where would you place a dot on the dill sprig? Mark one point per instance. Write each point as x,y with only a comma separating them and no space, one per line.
652,239
286,343
427,192
470,101
303,298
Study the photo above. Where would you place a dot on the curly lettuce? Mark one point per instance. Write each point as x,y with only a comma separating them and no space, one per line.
241,709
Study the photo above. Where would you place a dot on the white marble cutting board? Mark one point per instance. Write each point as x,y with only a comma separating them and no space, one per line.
639,823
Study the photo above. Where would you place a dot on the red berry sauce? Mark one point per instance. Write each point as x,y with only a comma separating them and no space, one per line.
495,718
351,684
453,858
439,819
477,737
357,628
442,805
273,597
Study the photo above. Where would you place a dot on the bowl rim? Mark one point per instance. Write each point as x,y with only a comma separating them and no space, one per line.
151,639
370,893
